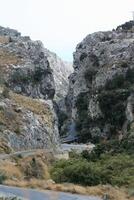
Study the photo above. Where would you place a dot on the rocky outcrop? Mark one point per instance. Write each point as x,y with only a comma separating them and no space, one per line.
100,100
27,89
61,72
27,123
24,67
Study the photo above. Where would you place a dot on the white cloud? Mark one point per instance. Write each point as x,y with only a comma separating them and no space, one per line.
61,24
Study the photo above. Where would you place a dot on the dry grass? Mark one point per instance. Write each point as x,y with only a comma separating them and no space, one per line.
8,58
113,193
34,166
35,106
10,170
11,120
4,148
4,39
24,170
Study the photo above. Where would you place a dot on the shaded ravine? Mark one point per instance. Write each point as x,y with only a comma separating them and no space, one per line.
32,194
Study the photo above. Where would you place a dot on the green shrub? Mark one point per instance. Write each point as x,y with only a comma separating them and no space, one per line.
130,75
117,82
35,76
89,74
62,117
111,162
73,171
2,178
17,130
5,92
115,102
82,122
112,147
19,76
109,169
82,102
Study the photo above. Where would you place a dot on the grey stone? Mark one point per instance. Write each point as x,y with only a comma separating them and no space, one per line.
104,74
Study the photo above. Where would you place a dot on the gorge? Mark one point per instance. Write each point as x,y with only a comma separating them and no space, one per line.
41,108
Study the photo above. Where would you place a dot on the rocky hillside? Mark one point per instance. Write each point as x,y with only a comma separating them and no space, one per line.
27,89
100,100
61,72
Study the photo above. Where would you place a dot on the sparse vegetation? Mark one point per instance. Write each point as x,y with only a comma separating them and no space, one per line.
82,123
33,172
89,74
117,82
5,92
62,117
130,75
4,39
8,58
26,77
115,102
34,167
19,77
34,105
109,163
2,178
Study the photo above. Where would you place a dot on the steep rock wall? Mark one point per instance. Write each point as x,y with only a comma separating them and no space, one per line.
100,100
27,89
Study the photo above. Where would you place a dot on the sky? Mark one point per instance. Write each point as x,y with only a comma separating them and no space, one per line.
62,24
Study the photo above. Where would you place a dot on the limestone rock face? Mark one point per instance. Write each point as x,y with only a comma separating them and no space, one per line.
27,89
27,123
25,69
100,98
61,72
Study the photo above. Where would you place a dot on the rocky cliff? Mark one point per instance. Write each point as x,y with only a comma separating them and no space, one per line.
61,72
27,89
100,100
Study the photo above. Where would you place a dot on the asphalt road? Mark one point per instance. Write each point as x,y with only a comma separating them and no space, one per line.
77,147
32,194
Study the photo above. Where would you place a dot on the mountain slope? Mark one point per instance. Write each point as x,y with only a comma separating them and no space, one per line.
27,89
101,90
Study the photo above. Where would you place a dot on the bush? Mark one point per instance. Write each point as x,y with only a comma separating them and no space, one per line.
5,92
115,102
62,117
109,163
130,75
19,76
89,74
2,178
34,168
116,170
115,83
73,171
111,148
82,122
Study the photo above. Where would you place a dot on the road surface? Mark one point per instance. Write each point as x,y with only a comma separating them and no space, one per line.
64,148
32,194
77,147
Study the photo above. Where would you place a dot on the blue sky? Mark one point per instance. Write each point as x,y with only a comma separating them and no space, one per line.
61,24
